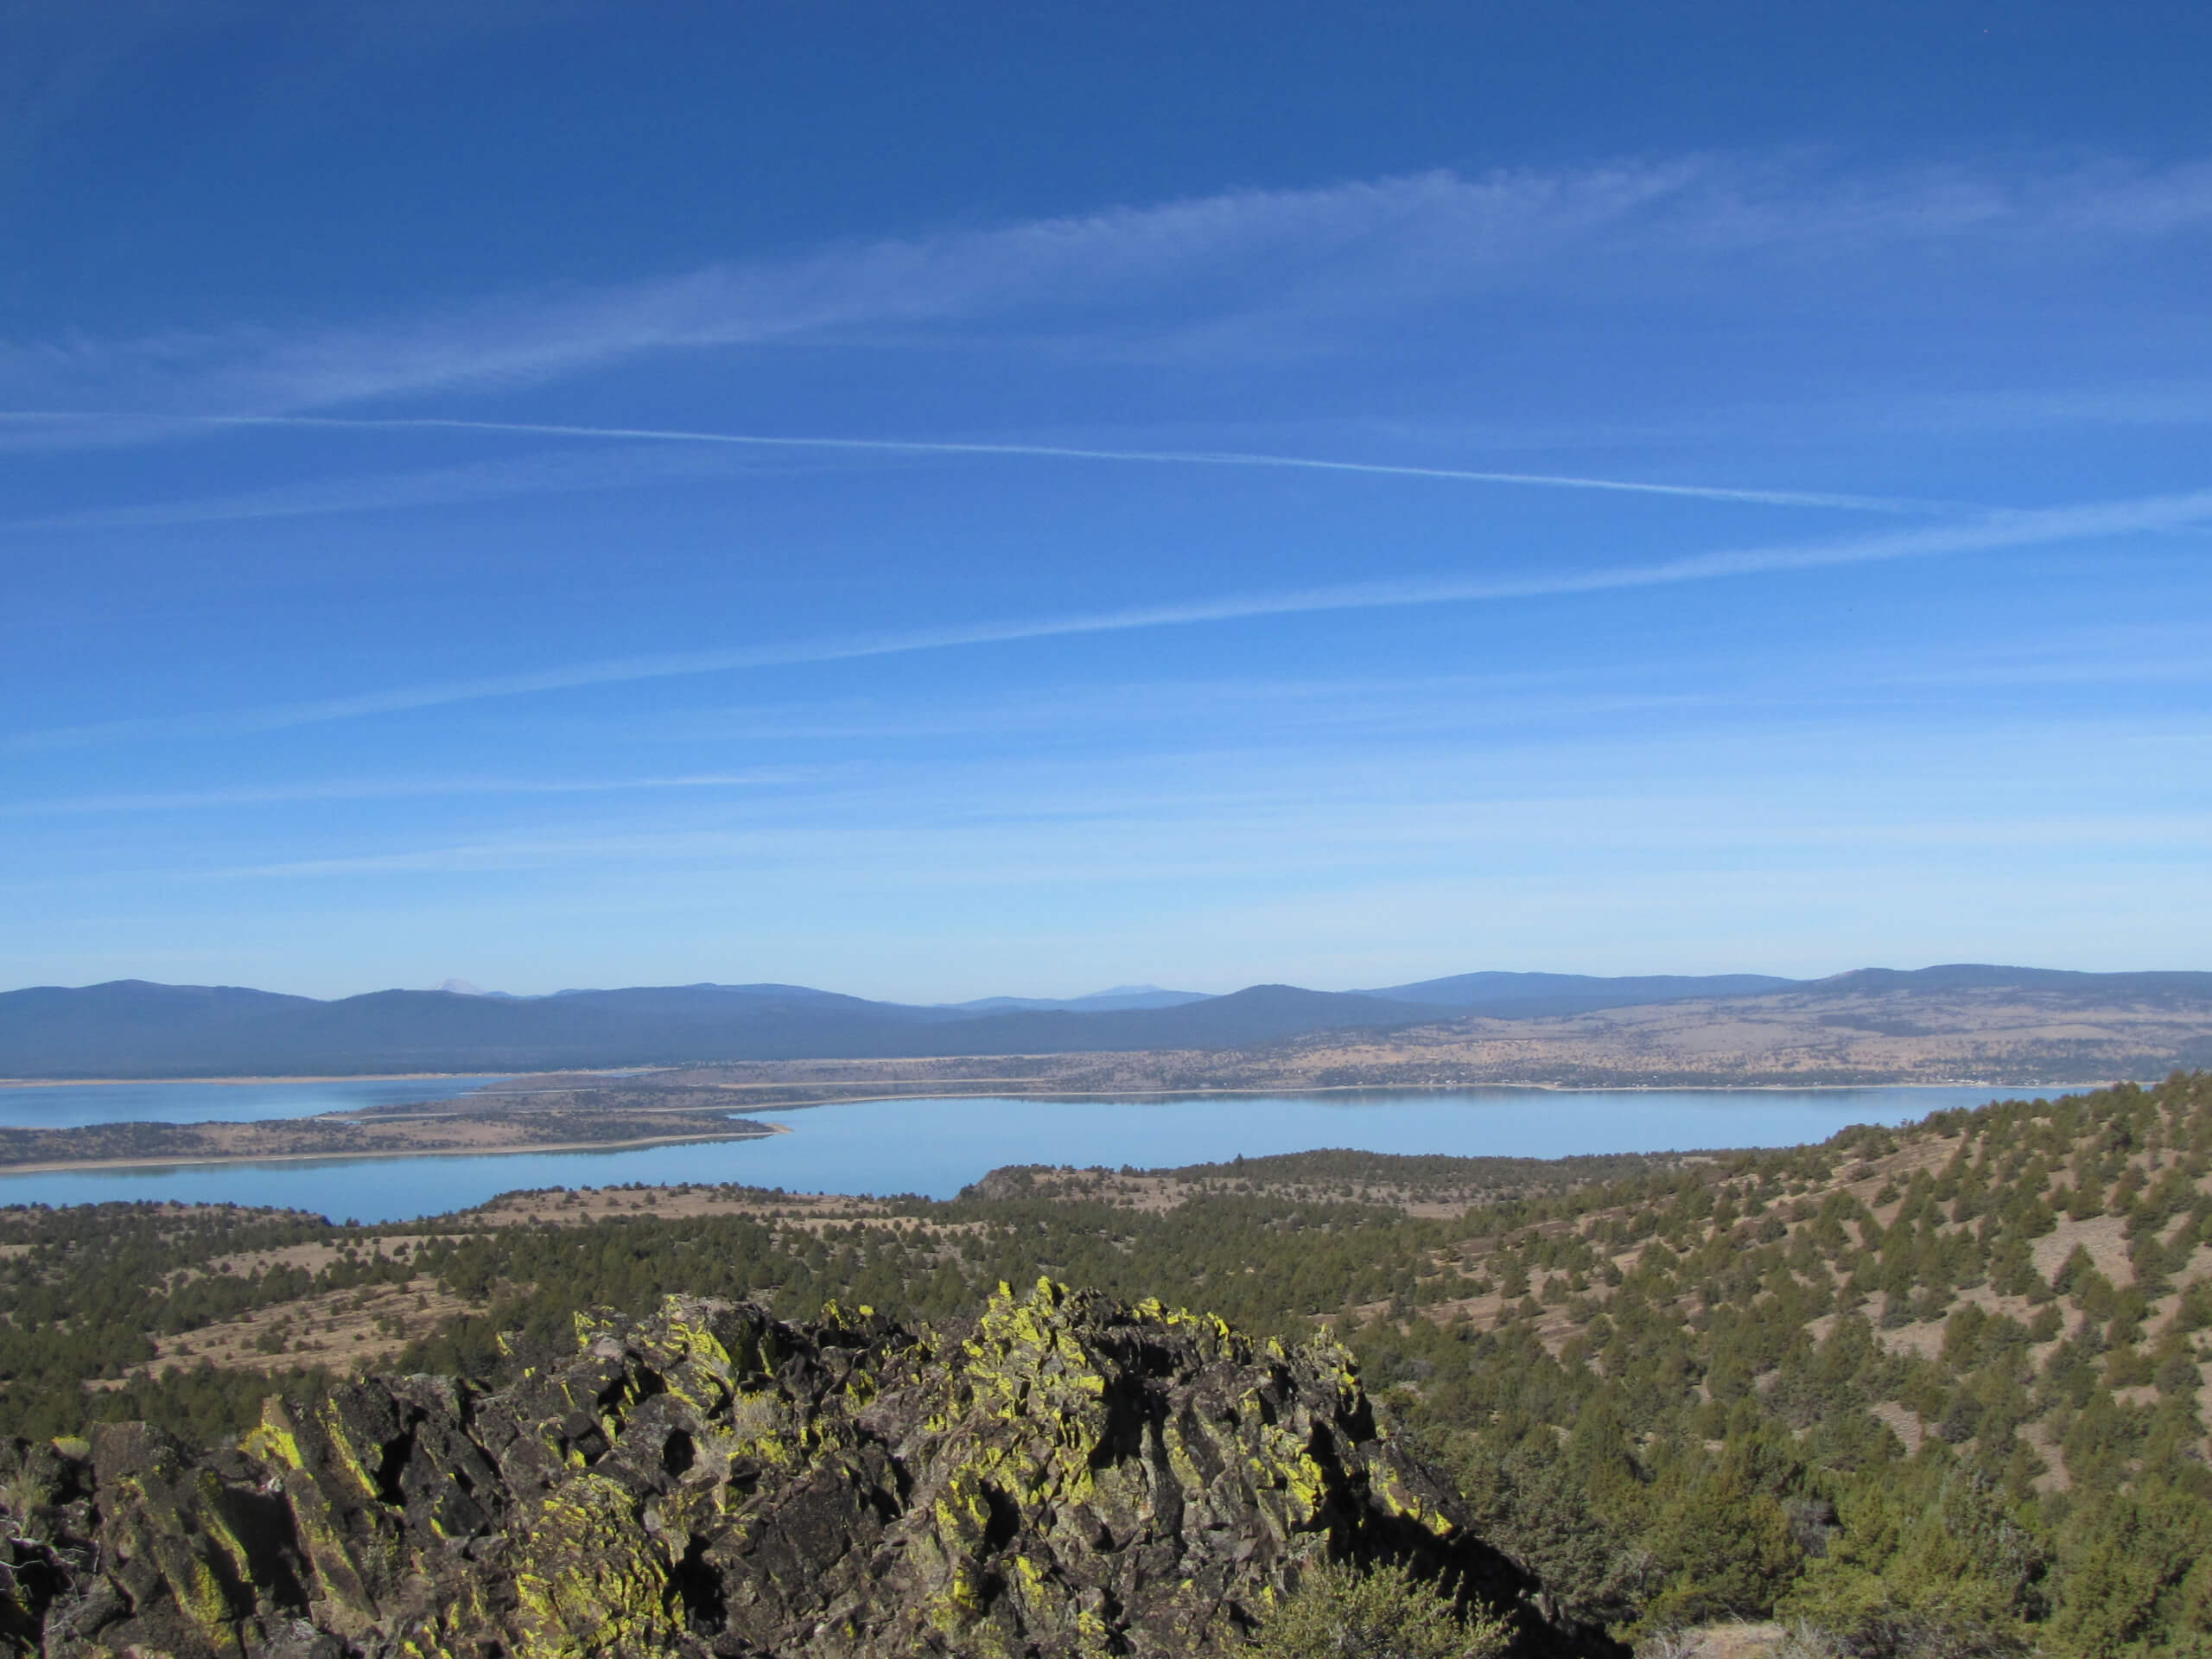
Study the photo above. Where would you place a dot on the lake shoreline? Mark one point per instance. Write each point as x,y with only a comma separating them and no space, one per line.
1209,1093
931,1145
1876,1082
705,1132
381,1153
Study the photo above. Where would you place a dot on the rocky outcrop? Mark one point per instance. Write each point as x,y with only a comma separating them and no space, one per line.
1065,1476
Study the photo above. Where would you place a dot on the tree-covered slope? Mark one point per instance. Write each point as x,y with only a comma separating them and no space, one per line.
1927,1390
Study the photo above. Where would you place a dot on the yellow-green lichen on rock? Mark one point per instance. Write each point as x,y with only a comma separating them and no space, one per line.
588,1580
1063,1477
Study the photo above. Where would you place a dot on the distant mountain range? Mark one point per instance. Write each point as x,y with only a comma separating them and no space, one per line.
1531,996
1121,996
130,1028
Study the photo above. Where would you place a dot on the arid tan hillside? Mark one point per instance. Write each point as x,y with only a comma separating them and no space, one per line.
2007,1037
2002,1036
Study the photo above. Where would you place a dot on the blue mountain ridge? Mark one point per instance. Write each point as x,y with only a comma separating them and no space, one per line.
128,1028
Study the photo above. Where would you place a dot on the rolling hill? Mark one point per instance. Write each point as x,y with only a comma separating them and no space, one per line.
131,1029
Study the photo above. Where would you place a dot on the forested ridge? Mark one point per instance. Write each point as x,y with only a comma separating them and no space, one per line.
1927,1390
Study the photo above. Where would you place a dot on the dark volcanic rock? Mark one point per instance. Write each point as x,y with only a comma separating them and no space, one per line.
1068,1476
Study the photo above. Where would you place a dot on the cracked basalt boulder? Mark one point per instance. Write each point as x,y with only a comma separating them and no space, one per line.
1065,1476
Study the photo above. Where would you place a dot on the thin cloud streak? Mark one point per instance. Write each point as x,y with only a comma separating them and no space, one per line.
1994,533
612,467
1686,791
259,506
1221,841
1264,705
292,794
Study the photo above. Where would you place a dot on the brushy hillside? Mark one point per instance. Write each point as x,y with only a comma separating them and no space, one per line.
1927,1390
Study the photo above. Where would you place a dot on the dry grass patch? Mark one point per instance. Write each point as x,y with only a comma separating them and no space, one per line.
574,1206
1904,1424
2101,1235
343,1330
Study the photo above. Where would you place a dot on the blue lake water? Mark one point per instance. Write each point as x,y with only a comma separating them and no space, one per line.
937,1146
61,1106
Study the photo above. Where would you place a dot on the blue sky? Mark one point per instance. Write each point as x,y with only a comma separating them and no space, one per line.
940,501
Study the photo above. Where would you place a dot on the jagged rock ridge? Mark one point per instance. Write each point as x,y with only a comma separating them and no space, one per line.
1066,1476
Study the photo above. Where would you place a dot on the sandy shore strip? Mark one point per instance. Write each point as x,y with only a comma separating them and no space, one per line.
762,1132
351,1076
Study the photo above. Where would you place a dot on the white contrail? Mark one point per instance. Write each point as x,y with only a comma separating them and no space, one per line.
2000,531
1033,451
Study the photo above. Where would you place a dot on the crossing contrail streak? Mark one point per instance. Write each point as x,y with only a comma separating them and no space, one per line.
1992,533
1031,451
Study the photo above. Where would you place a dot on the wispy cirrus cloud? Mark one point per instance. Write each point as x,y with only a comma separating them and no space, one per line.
602,467
395,789
1200,271
1989,533
1203,250
1260,823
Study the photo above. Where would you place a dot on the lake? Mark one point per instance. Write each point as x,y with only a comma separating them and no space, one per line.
62,1106
936,1146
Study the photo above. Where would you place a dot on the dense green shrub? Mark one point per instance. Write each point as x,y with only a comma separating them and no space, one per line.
1340,1612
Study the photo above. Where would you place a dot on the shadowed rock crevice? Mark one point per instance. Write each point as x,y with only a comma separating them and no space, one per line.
1065,1475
